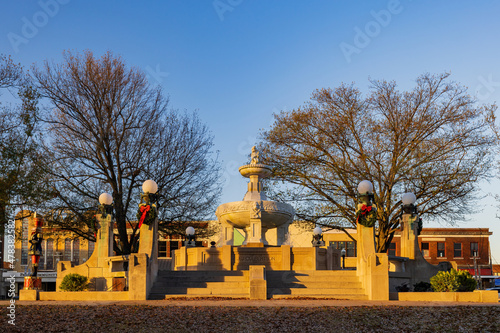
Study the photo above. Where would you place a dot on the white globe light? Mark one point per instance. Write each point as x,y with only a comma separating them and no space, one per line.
149,186
105,199
408,198
365,186
190,231
317,231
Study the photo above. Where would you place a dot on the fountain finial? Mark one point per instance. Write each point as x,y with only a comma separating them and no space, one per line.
254,156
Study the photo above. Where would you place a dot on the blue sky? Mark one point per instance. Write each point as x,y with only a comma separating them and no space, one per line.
239,61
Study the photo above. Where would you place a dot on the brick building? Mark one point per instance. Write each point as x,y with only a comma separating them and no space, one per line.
437,244
460,245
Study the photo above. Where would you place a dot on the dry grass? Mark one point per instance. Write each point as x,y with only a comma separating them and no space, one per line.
147,318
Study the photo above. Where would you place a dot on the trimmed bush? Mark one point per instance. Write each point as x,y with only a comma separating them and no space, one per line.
422,287
453,281
74,282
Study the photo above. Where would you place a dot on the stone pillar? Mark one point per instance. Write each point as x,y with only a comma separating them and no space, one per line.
409,236
148,241
286,258
227,258
255,231
365,247
148,244
282,233
104,237
227,234
275,236
258,283
372,267
139,285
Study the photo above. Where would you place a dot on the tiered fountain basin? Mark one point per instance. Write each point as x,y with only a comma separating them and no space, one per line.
261,170
272,214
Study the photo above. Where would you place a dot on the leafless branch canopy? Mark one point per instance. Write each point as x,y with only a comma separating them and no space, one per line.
110,131
432,140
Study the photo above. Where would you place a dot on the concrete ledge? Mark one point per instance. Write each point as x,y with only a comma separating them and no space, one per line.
28,295
83,295
478,296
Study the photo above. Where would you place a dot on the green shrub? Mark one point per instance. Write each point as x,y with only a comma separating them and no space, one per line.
422,287
453,281
74,282
466,281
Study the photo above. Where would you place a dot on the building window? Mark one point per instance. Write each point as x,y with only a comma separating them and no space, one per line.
76,251
440,250
67,249
174,245
91,248
392,249
41,263
350,247
162,248
474,249
457,250
50,254
425,249
25,242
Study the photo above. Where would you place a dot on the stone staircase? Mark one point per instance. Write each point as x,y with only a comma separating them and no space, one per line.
175,284
337,284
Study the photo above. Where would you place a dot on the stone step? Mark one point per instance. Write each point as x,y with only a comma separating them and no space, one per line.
204,291
335,273
202,273
178,279
309,279
315,284
315,291
202,284
306,277
332,296
182,296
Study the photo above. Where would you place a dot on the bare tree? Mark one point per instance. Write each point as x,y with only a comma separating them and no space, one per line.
110,131
19,176
432,140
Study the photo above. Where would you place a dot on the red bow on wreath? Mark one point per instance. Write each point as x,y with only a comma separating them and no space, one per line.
364,210
144,210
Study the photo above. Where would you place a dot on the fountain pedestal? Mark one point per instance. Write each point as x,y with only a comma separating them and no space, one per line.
263,221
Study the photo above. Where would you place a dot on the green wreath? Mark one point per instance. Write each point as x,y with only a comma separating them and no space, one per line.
366,216
146,214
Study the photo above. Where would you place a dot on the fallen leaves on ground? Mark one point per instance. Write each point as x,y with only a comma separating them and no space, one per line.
171,318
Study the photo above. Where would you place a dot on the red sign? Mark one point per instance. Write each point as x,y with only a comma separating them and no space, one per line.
482,271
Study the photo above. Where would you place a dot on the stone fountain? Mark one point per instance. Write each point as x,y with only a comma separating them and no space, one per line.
264,222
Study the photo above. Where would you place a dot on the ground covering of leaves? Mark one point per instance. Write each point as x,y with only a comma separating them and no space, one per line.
147,318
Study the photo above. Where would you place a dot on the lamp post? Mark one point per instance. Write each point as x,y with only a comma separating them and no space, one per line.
105,207
147,206
148,222
149,187
190,236
408,200
33,282
410,227
366,213
365,192
342,253
318,237
477,275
